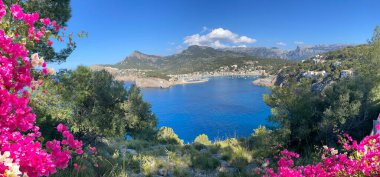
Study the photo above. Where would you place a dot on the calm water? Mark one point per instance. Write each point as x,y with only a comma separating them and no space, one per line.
222,107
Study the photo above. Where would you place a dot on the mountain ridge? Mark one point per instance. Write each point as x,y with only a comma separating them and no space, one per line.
203,58
300,53
192,59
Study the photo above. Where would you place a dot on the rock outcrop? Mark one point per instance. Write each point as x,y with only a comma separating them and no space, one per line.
268,81
153,83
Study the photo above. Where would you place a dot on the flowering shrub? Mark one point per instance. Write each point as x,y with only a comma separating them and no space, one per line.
23,153
361,159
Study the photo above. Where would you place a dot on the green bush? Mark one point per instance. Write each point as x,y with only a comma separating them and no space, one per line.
198,146
138,145
260,144
166,135
204,161
202,139
214,149
227,155
180,172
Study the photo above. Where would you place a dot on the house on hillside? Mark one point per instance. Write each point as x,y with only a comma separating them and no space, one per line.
346,73
316,60
312,74
319,56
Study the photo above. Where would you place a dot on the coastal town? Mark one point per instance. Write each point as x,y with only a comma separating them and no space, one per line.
140,78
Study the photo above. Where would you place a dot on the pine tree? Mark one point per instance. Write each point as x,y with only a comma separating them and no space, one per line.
141,122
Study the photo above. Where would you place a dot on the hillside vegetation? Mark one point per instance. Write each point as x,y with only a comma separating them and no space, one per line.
195,59
341,96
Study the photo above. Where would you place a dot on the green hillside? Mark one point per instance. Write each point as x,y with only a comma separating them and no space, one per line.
195,59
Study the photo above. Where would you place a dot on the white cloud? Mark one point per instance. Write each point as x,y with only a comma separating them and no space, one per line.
217,44
299,42
218,38
281,44
245,39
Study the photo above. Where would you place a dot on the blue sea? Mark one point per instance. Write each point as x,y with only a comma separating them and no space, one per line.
221,108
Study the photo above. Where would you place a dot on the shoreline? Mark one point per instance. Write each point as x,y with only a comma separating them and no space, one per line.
179,79
152,82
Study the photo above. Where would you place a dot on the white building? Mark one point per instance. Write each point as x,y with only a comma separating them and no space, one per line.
311,74
316,60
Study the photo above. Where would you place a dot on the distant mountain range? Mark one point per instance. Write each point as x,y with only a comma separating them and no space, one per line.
202,58
300,53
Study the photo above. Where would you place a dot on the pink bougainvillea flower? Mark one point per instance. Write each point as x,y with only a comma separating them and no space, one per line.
2,10
17,11
45,21
93,149
50,42
18,132
361,160
76,166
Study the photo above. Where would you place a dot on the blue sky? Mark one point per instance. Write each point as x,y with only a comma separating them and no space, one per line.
164,27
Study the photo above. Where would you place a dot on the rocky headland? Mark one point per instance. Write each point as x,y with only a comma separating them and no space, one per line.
267,81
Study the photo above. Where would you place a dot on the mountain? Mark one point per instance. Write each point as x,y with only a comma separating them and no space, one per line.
137,55
305,52
139,60
193,59
300,53
260,52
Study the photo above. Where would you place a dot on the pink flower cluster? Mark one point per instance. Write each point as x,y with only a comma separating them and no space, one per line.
361,159
18,132
2,10
31,19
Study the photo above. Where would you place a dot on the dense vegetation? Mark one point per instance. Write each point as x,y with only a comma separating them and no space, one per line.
311,111
94,105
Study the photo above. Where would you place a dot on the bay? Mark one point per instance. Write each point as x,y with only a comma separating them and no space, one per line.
221,108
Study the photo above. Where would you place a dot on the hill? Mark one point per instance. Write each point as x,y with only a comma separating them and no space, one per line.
328,68
195,59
